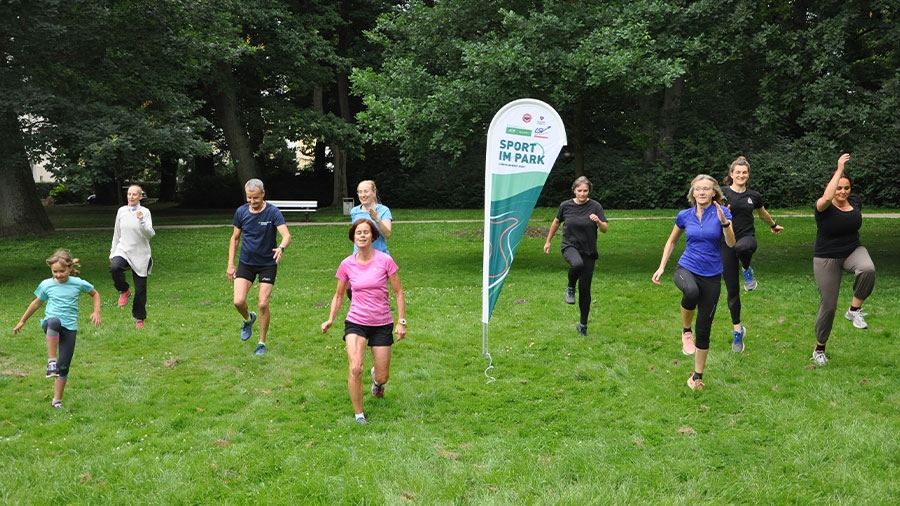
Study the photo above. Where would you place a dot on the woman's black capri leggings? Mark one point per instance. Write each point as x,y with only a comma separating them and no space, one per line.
700,293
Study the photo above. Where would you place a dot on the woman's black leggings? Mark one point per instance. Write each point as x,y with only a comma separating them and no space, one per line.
581,270
700,293
733,260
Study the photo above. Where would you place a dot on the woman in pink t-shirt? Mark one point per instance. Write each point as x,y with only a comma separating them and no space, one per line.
369,321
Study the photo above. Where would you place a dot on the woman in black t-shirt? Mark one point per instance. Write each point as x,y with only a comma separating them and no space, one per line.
583,217
742,201
838,249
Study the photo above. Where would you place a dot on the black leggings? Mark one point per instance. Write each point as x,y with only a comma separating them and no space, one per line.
581,270
733,260
66,344
117,268
700,293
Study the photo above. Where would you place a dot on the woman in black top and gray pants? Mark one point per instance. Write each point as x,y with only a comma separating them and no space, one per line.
838,249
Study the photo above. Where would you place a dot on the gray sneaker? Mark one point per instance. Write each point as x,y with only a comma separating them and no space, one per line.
819,358
750,283
737,345
857,318
247,327
582,329
570,295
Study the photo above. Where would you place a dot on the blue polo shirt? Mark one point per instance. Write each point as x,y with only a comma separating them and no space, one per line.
704,238
258,234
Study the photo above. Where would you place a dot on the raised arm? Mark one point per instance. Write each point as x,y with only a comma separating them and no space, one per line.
146,222
384,225
825,200
727,228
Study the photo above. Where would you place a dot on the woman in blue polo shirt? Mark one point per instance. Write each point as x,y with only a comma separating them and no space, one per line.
699,271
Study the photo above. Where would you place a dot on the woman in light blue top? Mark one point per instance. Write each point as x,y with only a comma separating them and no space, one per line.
60,322
373,210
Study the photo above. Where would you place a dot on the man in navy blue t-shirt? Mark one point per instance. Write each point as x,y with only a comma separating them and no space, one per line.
257,223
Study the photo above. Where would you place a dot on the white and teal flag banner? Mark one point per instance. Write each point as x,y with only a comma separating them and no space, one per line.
524,139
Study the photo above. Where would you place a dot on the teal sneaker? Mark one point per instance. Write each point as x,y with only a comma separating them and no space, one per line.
247,327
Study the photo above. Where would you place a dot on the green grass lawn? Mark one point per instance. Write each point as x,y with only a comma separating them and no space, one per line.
184,413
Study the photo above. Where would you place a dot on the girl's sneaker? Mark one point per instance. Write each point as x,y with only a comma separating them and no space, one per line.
57,404
52,371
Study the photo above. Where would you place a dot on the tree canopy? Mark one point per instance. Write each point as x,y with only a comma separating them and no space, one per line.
200,95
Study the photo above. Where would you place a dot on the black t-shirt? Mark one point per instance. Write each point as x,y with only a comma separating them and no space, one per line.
742,206
837,232
579,231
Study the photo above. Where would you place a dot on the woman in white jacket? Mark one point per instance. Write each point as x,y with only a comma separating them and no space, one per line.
131,250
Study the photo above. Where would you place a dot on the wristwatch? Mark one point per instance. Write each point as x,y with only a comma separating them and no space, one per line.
402,321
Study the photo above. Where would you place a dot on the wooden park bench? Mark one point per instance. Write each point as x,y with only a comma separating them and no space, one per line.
302,206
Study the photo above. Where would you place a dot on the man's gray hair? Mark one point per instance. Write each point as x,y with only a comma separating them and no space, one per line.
253,184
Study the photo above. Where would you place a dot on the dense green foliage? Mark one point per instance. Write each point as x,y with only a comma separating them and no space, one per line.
653,93
182,412
199,95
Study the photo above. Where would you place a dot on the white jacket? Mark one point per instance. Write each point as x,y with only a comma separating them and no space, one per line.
131,239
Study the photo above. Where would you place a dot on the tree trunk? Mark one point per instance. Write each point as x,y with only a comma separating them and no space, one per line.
576,137
228,117
21,211
647,106
340,156
670,108
339,181
168,177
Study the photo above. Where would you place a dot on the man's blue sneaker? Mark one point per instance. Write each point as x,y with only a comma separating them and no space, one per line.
260,349
247,327
738,345
749,280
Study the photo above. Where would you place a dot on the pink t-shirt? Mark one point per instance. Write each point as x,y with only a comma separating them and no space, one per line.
371,304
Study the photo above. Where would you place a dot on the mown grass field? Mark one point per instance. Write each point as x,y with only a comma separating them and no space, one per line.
184,413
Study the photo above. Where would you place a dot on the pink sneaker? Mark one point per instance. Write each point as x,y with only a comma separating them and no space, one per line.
687,343
139,324
123,297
